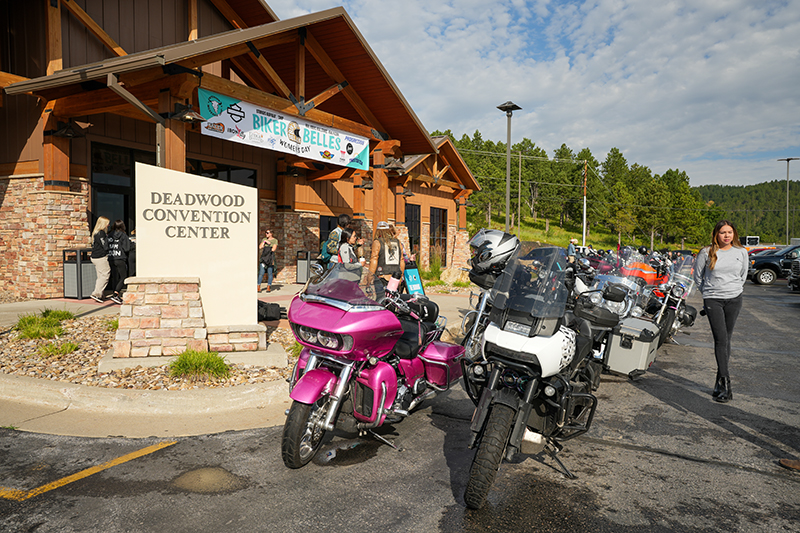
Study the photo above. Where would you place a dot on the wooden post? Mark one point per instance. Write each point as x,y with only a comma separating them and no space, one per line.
54,53
285,192
358,198
380,190
399,205
55,155
174,147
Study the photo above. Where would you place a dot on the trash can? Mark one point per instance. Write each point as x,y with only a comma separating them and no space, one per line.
79,273
303,266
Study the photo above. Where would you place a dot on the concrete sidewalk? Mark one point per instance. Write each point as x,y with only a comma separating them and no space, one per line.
61,408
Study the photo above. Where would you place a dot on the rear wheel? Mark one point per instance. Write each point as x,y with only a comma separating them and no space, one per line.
302,435
765,277
489,455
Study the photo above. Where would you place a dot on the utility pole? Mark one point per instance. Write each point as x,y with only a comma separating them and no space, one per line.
787,159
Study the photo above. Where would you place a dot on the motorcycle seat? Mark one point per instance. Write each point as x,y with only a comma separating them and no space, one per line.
408,344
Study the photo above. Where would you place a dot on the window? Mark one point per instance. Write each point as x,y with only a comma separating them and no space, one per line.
326,225
221,171
113,182
412,224
439,234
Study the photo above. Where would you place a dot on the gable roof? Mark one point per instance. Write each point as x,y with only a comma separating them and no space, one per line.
336,34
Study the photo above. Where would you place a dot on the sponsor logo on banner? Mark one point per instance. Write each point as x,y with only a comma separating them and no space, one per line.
214,106
236,113
239,121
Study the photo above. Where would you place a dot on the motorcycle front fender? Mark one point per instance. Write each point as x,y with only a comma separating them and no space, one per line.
313,385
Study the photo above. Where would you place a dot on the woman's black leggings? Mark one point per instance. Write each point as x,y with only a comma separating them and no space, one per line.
722,315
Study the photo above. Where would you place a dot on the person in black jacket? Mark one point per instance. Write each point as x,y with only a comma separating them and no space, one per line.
119,245
100,257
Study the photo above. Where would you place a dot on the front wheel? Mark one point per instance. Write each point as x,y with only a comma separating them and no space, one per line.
666,326
302,435
765,277
489,455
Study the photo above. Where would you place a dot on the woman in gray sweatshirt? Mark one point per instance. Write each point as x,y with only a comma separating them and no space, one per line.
720,272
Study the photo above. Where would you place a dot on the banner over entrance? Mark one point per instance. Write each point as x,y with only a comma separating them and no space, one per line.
246,123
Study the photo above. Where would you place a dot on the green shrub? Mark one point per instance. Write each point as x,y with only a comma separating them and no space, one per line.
52,349
461,284
112,325
38,327
435,283
58,314
199,365
296,349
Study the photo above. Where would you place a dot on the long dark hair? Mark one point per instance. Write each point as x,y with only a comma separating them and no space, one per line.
119,225
712,250
346,234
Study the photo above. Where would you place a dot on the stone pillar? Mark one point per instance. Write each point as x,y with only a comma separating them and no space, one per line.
160,316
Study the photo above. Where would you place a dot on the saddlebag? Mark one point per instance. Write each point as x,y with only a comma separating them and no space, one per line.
632,347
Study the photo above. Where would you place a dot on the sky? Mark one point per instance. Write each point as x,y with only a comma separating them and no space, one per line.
709,87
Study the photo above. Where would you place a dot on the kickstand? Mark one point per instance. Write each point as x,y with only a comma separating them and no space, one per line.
552,450
383,440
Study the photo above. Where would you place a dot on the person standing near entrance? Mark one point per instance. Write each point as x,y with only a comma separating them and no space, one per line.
266,263
720,272
386,258
119,246
100,257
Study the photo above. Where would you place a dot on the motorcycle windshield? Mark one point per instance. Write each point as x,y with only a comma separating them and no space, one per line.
683,270
348,286
533,284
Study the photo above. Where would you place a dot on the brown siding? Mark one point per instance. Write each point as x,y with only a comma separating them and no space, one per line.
135,25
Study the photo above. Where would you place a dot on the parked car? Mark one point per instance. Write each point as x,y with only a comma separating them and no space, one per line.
765,267
794,275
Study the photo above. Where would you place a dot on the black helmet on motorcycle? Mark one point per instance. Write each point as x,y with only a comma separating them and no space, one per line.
491,249
643,250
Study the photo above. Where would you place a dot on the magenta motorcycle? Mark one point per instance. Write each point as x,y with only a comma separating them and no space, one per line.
370,356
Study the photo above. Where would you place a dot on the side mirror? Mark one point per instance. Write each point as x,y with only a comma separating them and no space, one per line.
317,269
614,293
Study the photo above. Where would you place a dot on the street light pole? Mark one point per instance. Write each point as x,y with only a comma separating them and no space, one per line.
509,107
787,159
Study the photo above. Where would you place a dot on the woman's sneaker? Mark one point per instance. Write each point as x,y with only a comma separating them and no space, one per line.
116,299
96,299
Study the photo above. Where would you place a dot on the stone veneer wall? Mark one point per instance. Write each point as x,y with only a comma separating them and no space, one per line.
164,316
37,225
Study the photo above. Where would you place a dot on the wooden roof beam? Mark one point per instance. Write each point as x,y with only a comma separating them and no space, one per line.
229,13
6,79
93,27
329,175
269,72
107,101
424,178
333,71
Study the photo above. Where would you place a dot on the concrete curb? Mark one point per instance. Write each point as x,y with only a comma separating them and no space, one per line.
61,395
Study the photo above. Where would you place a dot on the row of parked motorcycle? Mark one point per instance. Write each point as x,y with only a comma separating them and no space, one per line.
538,336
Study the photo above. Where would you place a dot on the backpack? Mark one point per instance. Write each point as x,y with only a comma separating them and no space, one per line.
330,247
268,311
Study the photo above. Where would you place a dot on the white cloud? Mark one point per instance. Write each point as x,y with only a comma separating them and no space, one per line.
706,86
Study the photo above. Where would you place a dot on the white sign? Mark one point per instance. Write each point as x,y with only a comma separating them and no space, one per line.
245,123
191,226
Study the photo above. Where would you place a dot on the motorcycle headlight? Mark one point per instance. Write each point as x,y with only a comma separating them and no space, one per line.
516,327
678,290
328,340
307,334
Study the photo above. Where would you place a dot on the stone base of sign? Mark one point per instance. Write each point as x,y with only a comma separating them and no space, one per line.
247,338
164,316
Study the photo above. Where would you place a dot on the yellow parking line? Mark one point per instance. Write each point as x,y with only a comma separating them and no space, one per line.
20,495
